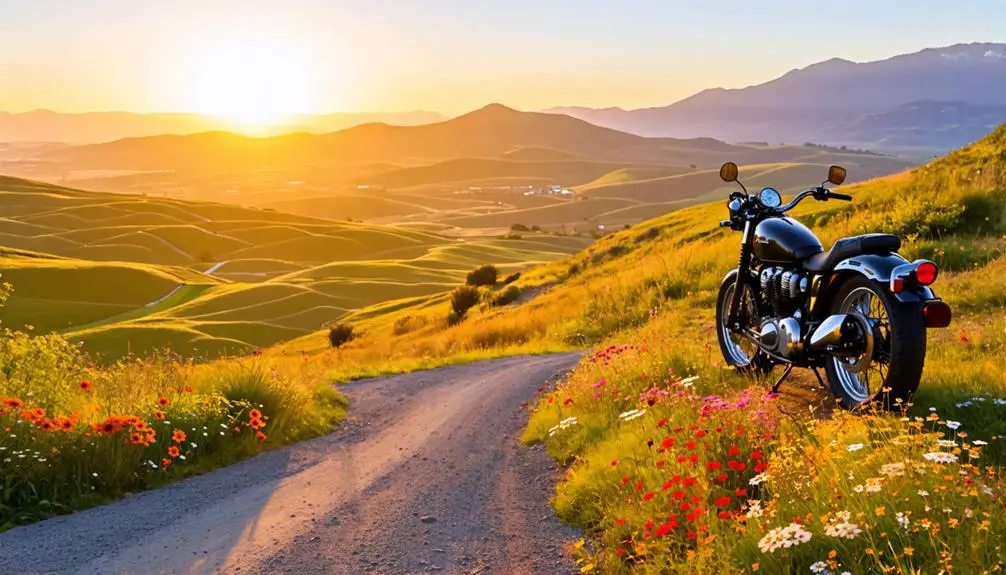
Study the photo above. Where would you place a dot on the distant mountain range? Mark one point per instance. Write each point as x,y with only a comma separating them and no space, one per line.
494,131
91,127
935,99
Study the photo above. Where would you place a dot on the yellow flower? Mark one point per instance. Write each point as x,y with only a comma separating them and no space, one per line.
880,511
909,551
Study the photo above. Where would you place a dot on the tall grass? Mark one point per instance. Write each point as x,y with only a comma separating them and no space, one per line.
74,434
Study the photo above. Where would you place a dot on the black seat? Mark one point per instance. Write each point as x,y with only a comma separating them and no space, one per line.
848,247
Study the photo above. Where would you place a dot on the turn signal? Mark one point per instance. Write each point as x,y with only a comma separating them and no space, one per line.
926,273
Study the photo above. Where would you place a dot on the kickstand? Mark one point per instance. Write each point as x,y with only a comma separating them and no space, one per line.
778,382
820,382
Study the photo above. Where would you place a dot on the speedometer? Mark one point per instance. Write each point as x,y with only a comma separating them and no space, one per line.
769,197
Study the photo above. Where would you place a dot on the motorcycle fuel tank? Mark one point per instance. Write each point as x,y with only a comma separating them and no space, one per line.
783,241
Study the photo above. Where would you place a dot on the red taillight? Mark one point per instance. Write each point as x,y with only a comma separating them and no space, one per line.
897,285
926,273
936,314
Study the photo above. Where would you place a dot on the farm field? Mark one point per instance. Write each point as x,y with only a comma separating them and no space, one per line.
121,274
485,170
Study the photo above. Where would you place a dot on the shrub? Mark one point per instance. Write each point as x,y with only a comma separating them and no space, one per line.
340,334
512,236
536,228
519,228
511,278
463,299
506,297
484,275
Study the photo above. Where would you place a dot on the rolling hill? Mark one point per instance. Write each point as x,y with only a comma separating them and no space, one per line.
123,274
484,171
837,101
89,127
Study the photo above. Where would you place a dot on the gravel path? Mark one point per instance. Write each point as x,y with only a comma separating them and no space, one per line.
426,475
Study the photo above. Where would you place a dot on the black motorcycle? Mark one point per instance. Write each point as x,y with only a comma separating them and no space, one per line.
859,310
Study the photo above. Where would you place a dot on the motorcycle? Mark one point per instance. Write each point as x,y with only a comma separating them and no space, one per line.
859,310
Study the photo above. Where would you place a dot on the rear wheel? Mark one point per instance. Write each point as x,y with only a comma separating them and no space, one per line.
898,352
738,351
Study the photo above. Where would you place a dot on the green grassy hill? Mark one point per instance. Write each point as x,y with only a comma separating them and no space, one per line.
123,274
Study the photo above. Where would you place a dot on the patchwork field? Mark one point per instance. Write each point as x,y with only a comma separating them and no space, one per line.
121,274
485,170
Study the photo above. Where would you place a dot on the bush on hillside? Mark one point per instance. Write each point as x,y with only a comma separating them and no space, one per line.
463,299
506,297
340,334
519,228
484,275
511,278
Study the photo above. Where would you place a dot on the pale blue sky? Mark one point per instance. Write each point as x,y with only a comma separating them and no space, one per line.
447,55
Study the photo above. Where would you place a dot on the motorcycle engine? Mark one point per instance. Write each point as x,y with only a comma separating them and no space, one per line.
785,291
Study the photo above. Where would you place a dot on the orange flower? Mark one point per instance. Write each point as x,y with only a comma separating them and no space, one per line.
261,436
163,401
165,463
187,389
158,415
254,414
141,425
13,402
173,451
66,424
178,436
46,424
256,424
135,438
86,385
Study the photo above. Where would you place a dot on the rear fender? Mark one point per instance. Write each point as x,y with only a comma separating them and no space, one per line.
875,267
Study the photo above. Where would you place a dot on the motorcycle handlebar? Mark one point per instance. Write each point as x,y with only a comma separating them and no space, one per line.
837,196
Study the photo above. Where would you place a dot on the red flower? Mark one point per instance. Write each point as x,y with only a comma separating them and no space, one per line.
662,422
688,481
679,494
163,401
668,485
722,477
620,521
261,436
723,515
690,535
649,495
626,480
667,443
639,485
619,552
759,467
614,463
734,450
713,465
693,458
721,501
690,445
86,385
649,525
740,493
700,433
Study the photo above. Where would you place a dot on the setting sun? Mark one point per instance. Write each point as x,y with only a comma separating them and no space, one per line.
253,82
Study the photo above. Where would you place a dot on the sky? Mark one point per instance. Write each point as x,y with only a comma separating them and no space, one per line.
313,56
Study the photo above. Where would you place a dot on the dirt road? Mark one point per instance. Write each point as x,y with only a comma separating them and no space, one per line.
425,476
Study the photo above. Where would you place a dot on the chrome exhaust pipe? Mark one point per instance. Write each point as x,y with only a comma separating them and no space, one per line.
828,337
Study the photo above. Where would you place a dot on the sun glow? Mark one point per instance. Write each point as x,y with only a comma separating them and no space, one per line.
254,82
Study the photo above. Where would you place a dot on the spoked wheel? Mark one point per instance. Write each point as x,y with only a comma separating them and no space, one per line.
739,352
889,369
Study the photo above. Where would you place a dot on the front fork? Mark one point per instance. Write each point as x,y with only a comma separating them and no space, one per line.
743,264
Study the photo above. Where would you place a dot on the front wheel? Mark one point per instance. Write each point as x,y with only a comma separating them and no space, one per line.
893,372
738,351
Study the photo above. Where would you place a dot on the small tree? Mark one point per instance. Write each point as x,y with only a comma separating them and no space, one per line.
519,228
463,299
340,334
483,276
506,297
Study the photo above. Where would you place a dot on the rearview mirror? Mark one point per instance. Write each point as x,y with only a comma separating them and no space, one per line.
728,172
836,175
